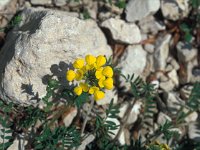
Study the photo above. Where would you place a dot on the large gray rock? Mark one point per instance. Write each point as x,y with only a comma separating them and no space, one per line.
3,3
41,2
121,31
138,9
44,44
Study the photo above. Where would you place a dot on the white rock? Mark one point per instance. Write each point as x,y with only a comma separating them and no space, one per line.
185,91
175,64
161,52
3,3
150,25
45,43
167,85
60,2
109,95
123,32
135,111
174,77
175,9
69,115
123,109
191,117
149,48
185,52
173,101
194,131
122,139
116,121
132,61
156,84
40,2
138,9
86,141
14,146
162,118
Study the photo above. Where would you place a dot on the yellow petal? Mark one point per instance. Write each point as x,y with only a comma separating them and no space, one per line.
84,86
108,71
78,64
93,89
90,59
108,83
100,61
78,90
70,75
98,95
99,73
100,82
79,75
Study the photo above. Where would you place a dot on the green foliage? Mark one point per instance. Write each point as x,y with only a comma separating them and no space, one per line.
187,32
80,100
194,100
86,14
60,138
165,129
14,22
195,3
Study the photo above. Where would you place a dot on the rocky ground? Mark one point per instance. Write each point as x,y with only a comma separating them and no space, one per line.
158,40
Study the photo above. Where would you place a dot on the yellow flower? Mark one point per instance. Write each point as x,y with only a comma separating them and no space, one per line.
79,75
78,64
90,59
100,82
99,73
100,61
108,83
98,95
93,89
90,67
70,75
78,90
108,71
84,86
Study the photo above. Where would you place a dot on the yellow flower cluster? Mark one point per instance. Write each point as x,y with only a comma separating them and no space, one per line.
93,76
161,145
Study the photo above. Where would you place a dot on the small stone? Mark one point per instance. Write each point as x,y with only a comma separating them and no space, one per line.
173,102
185,92
175,64
69,115
138,9
167,86
194,131
123,32
109,95
150,25
185,52
135,111
60,2
86,141
175,9
124,138
191,117
174,77
161,52
169,68
133,61
156,84
123,108
162,118
149,48
3,3
40,2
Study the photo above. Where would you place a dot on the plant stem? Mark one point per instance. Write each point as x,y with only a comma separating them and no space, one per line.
87,116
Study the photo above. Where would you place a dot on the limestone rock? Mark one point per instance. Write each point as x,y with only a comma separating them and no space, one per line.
194,131
185,52
150,25
3,3
69,115
60,2
161,52
135,111
138,9
173,76
162,118
44,44
133,61
175,9
40,2
86,141
167,85
123,32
